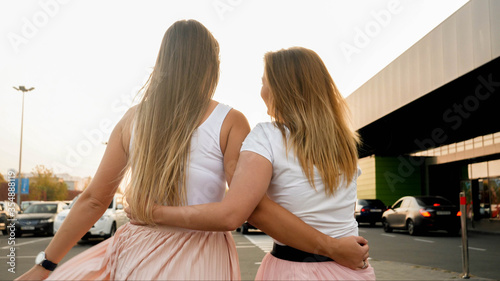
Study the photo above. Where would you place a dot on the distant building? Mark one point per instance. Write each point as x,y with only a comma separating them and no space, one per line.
73,182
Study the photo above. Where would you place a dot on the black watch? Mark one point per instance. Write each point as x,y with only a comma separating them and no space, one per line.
43,262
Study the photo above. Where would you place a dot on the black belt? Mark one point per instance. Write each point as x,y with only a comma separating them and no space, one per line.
291,254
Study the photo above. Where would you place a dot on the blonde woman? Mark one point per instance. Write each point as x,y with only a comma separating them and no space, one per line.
306,161
181,147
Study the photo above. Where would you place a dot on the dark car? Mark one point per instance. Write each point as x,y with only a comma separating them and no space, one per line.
369,211
39,218
8,210
422,213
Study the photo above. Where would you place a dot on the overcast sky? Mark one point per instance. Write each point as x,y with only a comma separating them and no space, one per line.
88,59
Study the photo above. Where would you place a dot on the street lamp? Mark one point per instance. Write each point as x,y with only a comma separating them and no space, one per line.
24,90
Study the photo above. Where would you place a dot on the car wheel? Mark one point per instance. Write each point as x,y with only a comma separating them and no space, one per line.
412,229
386,226
244,229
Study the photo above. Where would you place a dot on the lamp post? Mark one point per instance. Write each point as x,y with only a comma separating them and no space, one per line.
24,90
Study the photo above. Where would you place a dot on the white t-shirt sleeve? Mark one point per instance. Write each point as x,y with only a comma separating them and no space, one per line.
258,142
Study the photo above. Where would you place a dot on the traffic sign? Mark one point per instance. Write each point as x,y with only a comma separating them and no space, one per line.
25,186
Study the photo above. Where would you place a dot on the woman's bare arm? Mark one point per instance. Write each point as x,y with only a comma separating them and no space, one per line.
285,227
92,203
246,192
280,223
268,216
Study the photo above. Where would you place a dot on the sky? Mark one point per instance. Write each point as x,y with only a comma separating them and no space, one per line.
88,59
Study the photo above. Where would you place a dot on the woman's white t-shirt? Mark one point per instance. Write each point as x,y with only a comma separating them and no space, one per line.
332,215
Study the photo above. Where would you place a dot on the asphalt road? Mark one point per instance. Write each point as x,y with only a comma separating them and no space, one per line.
435,249
438,250
27,247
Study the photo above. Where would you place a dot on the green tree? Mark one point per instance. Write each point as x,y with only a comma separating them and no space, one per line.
44,185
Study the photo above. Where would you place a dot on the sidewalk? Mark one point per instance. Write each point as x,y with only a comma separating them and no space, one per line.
487,226
387,270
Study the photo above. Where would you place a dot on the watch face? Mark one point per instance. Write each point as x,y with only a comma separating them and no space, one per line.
40,258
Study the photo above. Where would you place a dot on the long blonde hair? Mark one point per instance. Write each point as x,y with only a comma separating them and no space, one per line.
306,102
175,100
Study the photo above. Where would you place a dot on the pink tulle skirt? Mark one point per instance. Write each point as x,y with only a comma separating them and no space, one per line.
273,268
146,253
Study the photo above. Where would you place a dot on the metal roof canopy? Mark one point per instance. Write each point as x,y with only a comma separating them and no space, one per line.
464,108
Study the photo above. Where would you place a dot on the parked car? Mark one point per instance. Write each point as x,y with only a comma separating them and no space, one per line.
111,220
369,211
422,213
8,210
106,226
26,204
39,218
62,215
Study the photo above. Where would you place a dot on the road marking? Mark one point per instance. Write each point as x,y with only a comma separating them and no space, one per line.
423,240
244,246
26,243
20,257
258,262
264,242
389,235
240,243
360,230
474,248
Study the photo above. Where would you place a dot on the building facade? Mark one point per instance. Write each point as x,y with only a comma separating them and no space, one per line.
430,120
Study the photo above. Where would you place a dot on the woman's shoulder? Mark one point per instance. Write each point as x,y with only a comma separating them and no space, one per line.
265,132
269,128
233,119
236,117
234,128
126,126
266,125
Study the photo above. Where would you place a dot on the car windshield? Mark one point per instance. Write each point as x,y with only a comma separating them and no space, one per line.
374,202
41,208
433,201
371,202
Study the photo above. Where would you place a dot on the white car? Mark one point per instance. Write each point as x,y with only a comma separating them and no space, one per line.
106,226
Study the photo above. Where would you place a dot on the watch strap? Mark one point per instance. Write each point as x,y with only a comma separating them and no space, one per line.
48,265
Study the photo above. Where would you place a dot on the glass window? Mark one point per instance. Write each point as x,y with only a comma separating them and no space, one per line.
397,204
362,202
469,144
452,148
496,137
431,201
488,140
42,208
478,142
